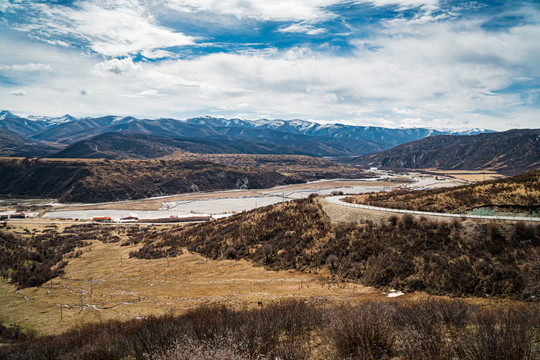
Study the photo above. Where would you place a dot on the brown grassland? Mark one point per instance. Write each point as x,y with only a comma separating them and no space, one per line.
181,306
519,194
307,167
124,287
467,175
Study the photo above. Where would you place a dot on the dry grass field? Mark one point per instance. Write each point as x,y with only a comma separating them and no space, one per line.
468,175
115,286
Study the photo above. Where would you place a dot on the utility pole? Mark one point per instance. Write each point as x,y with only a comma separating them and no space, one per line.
82,299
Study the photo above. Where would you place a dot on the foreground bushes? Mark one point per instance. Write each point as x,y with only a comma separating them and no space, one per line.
33,260
429,329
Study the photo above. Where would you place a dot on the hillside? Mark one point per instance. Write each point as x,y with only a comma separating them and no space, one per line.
99,181
130,145
507,152
138,146
517,195
13,144
307,167
457,258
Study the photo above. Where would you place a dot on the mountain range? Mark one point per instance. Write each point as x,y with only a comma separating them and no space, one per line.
117,137
229,135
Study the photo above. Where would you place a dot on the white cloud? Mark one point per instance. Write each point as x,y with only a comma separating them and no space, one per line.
406,4
276,10
109,28
26,67
4,5
406,111
302,28
116,66
151,92
17,93
331,97
412,122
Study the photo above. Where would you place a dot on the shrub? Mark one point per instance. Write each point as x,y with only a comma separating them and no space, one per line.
361,332
500,336
230,253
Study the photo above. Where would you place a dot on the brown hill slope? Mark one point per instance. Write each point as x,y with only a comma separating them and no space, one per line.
518,194
460,258
508,152
308,167
117,145
105,180
13,144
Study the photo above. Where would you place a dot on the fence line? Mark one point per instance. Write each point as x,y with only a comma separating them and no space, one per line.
336,200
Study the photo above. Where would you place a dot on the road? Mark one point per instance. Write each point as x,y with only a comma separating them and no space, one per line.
337,200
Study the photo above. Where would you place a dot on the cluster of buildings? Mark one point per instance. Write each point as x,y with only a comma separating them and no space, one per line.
12,215
134,218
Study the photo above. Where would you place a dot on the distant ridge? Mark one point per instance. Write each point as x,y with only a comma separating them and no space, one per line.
507,152
295,137
118,145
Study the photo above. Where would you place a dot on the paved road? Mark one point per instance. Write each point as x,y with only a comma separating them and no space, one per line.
337,200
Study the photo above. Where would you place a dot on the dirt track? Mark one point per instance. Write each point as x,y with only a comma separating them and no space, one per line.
344,214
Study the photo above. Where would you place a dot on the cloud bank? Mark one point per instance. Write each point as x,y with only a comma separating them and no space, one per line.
380,62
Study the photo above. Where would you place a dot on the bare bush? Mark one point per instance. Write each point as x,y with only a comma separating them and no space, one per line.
500,336
361,332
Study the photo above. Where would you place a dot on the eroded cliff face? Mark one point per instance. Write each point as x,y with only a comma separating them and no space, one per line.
105,180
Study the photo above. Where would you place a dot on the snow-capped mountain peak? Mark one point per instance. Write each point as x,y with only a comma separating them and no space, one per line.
6,113
49,121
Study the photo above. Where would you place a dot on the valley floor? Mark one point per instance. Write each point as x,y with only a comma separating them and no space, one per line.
223,203
114,286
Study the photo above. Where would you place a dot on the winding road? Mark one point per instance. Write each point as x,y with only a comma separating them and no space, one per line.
337,200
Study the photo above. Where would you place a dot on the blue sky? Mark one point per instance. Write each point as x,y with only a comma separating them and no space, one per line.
393,63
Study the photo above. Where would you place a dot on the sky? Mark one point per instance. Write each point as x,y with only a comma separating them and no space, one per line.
392,63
